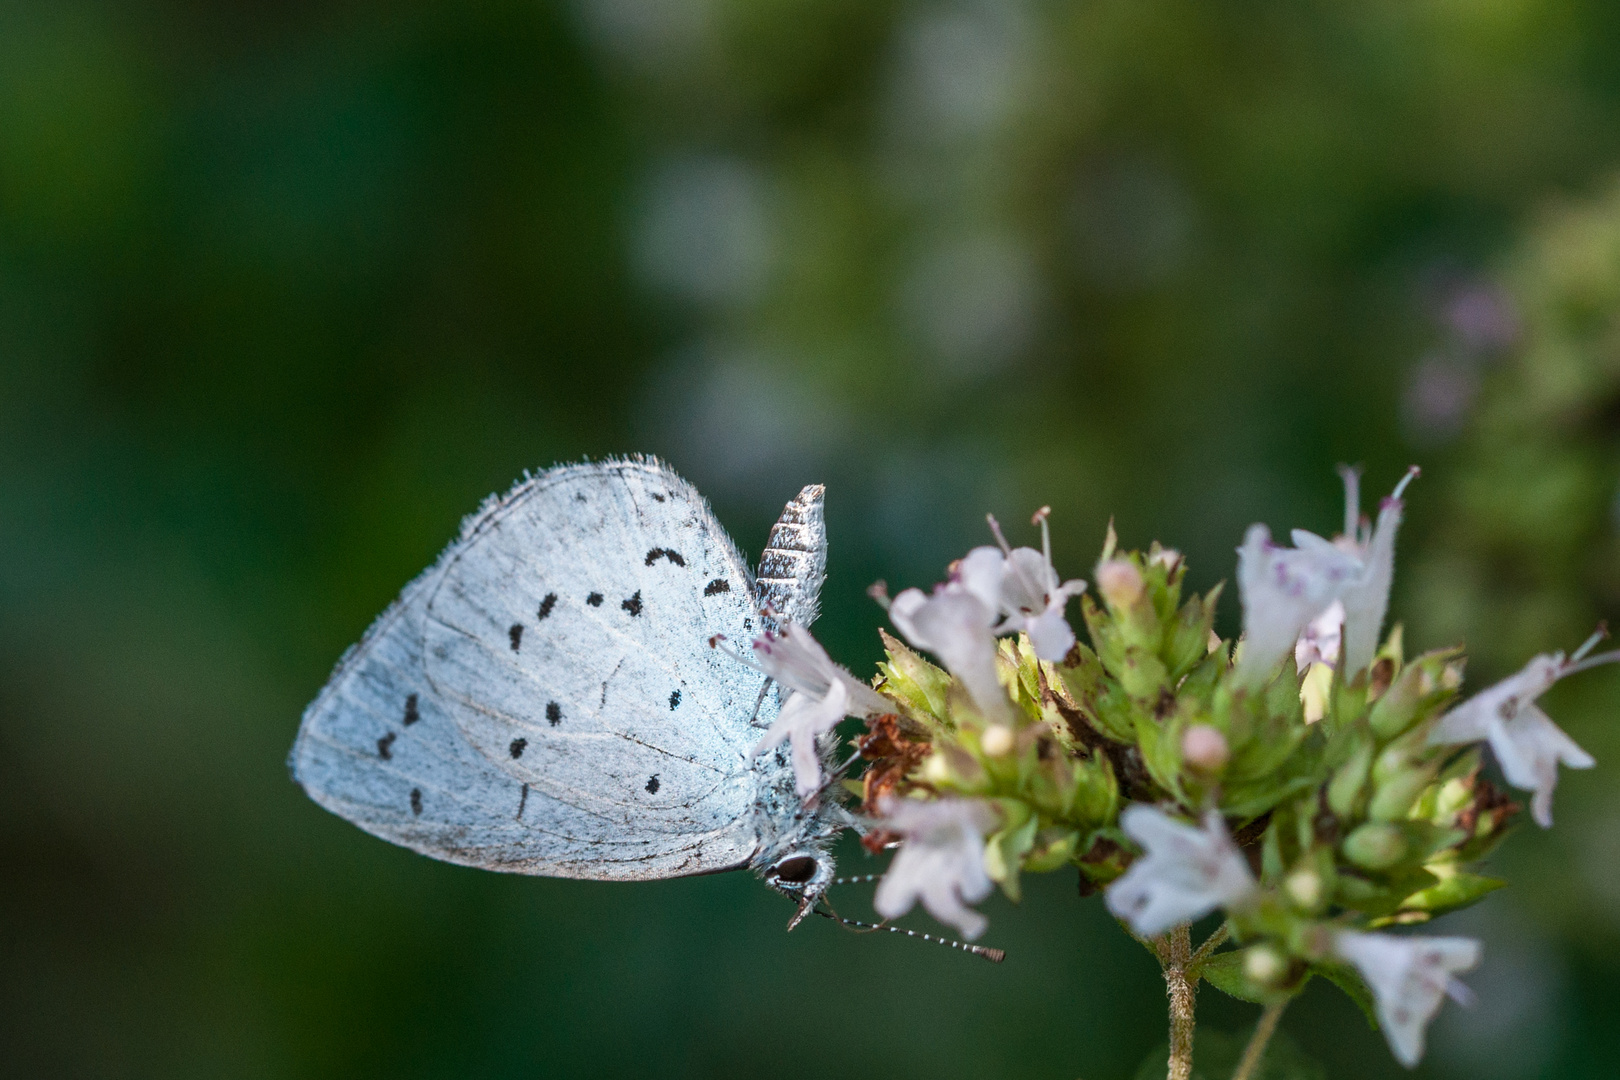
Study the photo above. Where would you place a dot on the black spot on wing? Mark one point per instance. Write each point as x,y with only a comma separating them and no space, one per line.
416,801
633,605
580,497
595,599
674,698
718,585
665,553
553,713
523,800
411,713
515,635
546,605
516,749
657,497
652,784
385,746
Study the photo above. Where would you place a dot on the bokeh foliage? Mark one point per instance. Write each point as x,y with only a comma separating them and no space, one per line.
285,289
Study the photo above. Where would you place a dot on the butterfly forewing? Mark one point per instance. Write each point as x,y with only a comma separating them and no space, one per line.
567,716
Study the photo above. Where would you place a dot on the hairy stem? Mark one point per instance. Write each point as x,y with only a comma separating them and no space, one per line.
1257,1042
1181,983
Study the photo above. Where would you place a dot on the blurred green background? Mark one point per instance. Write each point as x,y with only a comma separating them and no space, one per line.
285,289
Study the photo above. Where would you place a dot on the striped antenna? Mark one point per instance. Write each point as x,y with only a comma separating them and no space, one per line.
857,879
995,956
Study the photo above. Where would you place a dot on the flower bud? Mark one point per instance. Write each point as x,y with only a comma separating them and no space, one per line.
1395,798
1306,889
936,770
1168,558
1204,748
1120,583
997,740
1264,965
1375,846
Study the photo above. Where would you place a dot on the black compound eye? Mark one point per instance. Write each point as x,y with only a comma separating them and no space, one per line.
795,871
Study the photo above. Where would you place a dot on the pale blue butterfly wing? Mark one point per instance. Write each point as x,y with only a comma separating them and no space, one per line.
544,700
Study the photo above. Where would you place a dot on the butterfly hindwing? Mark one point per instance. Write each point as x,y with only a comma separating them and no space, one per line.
376,747
566,716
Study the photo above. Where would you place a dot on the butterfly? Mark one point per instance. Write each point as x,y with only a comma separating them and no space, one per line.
544,699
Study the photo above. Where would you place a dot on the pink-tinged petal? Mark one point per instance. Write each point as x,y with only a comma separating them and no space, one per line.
1410,977
1028,583
820,694
956,626
1184,873
1283,589
1050,635
940,861
980,572
1321,640
903,612
1527,744
1366,600
803,718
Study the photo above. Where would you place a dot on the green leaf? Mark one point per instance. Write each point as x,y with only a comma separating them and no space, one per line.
1250,800
1381,898
1224,971
1100,700
1004,851
1452,893
1052,848
918,687
1416,694
1351,776
1349,980
1187,642
1160,746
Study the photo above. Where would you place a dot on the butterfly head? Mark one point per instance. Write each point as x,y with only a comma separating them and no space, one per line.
801,875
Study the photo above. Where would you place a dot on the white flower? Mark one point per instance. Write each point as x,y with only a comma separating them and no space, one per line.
958,627
991,591
1283,589
1024,589
820,694
1185,873
940,861
1409,977
1366,597
1527,744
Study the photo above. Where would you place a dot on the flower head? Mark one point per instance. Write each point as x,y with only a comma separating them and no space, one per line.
1409,977
940,861
1185,873
820,694
1527,744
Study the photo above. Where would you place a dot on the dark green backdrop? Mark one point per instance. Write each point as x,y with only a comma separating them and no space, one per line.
285,289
